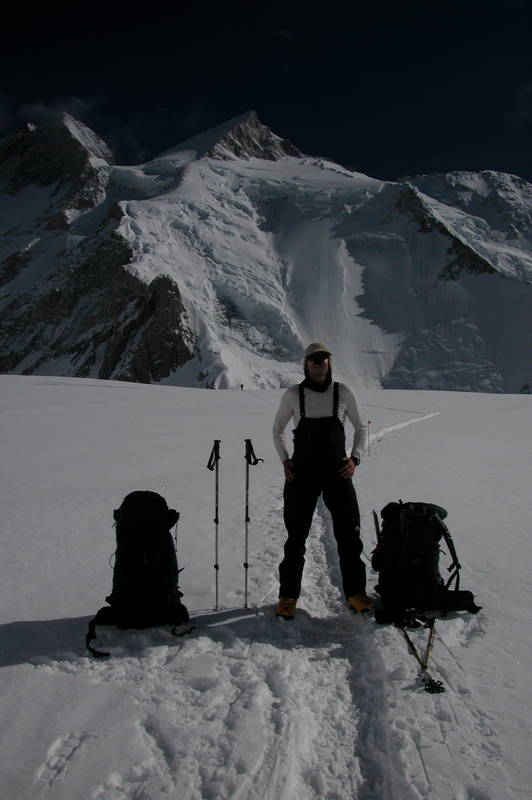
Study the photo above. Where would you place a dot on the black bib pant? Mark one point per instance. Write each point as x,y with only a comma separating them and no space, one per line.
319,446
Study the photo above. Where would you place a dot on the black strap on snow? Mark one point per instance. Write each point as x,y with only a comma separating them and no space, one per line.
105,616
215,455
336,395
183,633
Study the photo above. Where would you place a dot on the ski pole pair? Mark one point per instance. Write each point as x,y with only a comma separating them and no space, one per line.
430,684
213,465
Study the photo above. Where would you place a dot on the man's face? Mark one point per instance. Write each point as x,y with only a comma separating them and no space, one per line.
318,367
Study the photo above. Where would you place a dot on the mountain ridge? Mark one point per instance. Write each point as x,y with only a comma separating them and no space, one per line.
216,262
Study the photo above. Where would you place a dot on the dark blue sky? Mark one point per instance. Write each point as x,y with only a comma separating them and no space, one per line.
389,87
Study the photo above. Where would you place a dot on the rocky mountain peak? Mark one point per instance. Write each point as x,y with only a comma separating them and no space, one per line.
58,152
64,155
241,137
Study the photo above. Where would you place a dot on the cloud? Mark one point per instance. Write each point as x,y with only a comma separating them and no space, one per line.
15,113
134,136
41,112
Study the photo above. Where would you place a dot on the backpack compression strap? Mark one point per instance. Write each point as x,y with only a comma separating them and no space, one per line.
456,564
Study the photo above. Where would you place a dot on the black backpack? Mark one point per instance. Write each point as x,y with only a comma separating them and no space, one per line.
145,589
407,558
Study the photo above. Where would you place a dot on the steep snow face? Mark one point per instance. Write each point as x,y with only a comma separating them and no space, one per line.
217,262
253,249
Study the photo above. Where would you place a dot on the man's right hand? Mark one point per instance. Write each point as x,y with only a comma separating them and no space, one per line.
288,467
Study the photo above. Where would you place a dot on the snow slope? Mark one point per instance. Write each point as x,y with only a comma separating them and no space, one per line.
247,706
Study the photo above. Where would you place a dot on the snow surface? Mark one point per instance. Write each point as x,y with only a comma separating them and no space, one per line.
249,706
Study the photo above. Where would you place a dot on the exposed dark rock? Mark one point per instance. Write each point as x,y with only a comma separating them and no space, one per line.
411,204
463,257
11,266
52,155
97,318
89,312
465,260
250,138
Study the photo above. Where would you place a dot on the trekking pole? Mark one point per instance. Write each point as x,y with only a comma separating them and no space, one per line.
430,684
430,644
213,465
252,459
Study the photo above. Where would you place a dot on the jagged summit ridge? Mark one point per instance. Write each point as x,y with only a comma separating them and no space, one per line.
241,137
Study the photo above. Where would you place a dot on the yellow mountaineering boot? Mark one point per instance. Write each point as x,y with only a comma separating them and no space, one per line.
360,602
286,607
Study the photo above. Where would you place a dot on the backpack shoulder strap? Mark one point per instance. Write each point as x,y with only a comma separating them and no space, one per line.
336,396
456,566
302,400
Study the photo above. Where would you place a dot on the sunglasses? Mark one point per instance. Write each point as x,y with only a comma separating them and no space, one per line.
318,358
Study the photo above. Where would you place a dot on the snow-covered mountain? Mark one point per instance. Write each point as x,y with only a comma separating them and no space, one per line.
214,265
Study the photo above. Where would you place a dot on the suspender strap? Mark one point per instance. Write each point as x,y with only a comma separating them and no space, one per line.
335,400
302,400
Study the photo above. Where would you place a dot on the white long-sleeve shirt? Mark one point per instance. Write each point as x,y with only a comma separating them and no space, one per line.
317,405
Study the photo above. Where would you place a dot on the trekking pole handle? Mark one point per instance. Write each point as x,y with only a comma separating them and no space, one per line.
251,458
215,455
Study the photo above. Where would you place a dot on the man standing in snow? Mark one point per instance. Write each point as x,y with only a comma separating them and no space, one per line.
319,465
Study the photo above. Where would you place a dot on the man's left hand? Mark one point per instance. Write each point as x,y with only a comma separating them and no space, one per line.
348,469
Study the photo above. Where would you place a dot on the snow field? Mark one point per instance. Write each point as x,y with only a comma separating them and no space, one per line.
246,705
